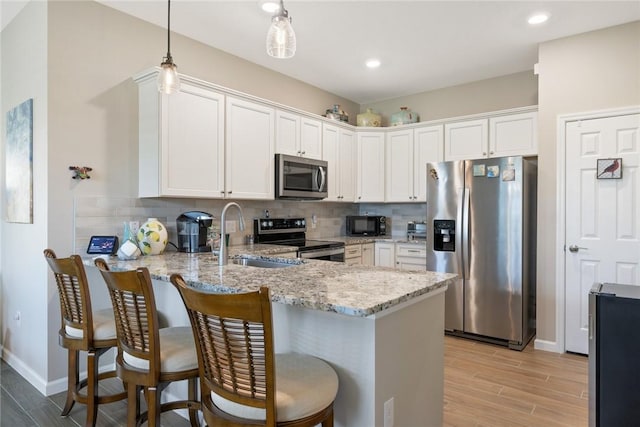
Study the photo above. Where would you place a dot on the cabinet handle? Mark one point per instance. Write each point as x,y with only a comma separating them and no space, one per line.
304,152
229,192
359,197
484,153
491,152
414,251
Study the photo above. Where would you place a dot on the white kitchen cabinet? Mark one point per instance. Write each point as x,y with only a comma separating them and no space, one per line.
411,256
368,254
298,135
353,254
339,150
466,140
385,254
249,150
513,135
499,136
407,153
181,140
370,171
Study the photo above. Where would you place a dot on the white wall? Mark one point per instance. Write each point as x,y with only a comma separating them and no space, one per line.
498,93
592,71
24,274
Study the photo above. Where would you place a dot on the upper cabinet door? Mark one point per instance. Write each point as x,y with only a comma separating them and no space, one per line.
427,147
371,177
287,133
298,136
310,138
466,140
330,154
399,166
347,157
181,142
513,135
250,150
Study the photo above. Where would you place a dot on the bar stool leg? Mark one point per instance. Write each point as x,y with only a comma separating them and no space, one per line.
72,381
193,393
92,388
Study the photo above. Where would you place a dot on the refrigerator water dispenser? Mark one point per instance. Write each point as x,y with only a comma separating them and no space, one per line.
444,235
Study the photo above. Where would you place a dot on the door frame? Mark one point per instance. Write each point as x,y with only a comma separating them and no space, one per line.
559,345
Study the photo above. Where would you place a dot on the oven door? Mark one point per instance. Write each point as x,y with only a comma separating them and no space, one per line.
329,254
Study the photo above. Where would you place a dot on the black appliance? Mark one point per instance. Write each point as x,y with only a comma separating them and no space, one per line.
614,346
193,228
300,178
292,232
366,225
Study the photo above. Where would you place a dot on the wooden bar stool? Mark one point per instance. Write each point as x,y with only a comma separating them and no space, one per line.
82,330
149,358
242,381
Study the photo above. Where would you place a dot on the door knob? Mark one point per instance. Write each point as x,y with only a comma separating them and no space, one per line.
575,248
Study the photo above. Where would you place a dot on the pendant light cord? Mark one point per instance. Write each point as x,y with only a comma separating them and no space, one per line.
169,30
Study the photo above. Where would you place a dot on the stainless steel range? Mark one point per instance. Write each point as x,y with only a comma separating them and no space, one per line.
292,232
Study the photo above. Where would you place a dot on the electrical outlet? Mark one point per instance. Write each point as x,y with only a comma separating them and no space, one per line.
133,226
388,413
230,226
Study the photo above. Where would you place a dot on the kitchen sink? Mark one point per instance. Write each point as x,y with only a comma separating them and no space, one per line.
265,262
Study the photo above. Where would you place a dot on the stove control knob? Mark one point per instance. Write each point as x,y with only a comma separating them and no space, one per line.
298,222
264,224
303,223
270,223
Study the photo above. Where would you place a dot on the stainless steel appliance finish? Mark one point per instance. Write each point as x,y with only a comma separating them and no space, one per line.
614,345
300,178
292,232
193,227
482,219
366,225
416,230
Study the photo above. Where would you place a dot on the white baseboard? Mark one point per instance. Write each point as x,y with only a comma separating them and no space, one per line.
547,346
25,371
47,388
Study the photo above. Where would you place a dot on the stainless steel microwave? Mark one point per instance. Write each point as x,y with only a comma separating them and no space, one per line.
365,225
300,178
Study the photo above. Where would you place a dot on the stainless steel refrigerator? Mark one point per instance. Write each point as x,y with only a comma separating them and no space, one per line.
482,220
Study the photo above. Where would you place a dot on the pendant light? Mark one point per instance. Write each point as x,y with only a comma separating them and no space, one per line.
281,39
168,80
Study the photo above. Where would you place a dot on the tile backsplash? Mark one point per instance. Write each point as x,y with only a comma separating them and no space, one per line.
106,215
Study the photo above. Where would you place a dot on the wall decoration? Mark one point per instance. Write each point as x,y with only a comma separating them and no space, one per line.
609,168
19,164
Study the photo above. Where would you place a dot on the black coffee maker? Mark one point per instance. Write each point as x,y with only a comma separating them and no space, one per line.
193,228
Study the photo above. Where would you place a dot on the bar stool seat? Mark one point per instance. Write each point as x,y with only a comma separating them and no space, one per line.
104,326
177,351
305,385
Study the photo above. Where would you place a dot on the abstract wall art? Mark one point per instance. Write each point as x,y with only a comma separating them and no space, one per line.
19,164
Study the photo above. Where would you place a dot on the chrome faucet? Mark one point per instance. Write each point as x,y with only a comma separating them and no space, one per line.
222,255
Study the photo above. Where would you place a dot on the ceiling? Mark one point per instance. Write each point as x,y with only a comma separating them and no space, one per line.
423,45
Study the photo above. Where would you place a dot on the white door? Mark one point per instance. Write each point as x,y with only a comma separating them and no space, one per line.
602,241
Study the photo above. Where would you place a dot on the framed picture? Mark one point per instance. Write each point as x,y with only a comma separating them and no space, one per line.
609,168
19,164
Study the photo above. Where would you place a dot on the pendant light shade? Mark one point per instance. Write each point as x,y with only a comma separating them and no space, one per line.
168,80
281,39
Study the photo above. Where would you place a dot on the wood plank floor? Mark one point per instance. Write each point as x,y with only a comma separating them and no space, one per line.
485,385
488,385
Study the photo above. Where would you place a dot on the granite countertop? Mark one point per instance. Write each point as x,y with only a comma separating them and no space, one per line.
358,240
328,286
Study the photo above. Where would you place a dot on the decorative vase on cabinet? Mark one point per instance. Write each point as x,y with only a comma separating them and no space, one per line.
152,237
369,118
403,117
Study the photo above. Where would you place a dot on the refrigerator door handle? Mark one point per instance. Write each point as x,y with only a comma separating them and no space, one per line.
466,244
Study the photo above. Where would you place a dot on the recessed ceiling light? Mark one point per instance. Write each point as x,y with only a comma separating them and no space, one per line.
269,6
538,18
372,63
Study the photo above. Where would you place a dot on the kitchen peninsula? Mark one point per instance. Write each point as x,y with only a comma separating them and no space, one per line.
381,329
